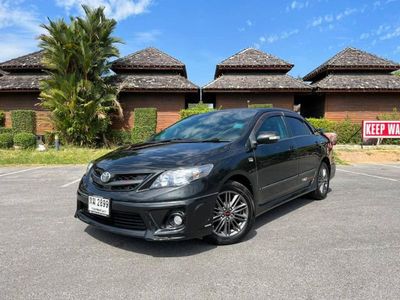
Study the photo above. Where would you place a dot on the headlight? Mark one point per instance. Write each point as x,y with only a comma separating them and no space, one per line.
89,166
179,177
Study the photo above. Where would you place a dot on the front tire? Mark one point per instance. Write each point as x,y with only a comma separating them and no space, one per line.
233,215
323,179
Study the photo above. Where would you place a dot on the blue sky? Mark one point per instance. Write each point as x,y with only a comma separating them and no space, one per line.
202,33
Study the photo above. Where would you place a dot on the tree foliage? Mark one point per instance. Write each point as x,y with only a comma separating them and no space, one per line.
78,91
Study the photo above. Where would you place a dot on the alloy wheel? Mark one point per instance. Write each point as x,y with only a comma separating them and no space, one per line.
231,214
323,180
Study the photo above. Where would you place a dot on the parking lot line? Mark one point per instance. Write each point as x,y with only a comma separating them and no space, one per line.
70,183
385,165
20,171
369,175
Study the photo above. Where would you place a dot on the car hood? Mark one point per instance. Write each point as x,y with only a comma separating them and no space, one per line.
163,155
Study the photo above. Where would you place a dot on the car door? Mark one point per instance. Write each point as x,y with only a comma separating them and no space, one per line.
276,163
307,149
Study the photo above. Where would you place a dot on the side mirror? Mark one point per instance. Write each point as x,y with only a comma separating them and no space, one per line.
267,137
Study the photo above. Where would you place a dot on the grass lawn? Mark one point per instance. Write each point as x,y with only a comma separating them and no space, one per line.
67,155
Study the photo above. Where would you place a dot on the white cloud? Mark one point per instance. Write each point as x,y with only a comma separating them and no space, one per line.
270,39
146,37
391,34
296,5
117,9
12,15
249,23
19,27
330,18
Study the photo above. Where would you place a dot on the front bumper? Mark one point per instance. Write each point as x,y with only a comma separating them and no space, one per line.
147,220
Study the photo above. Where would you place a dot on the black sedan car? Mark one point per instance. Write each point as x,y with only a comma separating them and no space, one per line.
209,175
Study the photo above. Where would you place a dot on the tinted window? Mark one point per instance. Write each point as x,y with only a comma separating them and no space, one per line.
274,124
221,125
297,127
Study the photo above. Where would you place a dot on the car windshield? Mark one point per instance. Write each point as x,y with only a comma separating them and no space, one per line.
220,126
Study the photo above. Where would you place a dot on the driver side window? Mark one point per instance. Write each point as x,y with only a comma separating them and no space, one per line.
274,124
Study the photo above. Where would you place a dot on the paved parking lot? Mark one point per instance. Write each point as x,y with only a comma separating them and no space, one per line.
345,247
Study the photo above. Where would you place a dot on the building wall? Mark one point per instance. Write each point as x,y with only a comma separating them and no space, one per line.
168,106
14,101
238,100
359,106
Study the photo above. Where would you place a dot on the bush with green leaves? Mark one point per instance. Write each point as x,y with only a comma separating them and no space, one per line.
2,118
119,137
23,121
145,124
266,105
49,138
322,123
6,140
25,140
347,131
6,130
199,108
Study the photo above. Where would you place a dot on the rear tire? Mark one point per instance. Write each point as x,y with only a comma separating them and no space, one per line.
323,179
233,214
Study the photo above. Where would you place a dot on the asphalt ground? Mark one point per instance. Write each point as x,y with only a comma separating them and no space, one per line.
344,247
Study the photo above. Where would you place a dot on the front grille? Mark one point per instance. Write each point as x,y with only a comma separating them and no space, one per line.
119,182
118,219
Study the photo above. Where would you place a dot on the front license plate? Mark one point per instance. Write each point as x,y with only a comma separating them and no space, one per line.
99,206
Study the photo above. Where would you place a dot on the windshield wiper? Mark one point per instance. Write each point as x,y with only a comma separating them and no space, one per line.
214,140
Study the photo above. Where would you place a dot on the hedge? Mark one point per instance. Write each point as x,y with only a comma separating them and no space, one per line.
119,137
6,140
25,140
2,118
347,131
23,121
6,130
199,108
260,105
145,124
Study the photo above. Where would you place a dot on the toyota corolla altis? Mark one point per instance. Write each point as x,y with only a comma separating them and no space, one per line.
209,176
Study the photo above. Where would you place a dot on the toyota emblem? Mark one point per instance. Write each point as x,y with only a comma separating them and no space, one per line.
105,177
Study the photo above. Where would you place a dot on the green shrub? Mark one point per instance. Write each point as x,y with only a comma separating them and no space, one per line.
25,140
23,121
2,118
324,124
6,130
145,124
6,140
199,108
347,131
119,137
266,105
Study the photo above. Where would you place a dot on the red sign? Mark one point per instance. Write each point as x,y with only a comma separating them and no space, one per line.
381,129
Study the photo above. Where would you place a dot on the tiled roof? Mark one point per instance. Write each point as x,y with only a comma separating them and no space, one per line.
353,59
32,61
358,82
256,82
148,59
154,82
25,82
252,59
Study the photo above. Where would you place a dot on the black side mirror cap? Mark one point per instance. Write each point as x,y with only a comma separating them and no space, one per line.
268,137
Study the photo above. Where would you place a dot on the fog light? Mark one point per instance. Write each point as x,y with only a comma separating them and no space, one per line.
178,220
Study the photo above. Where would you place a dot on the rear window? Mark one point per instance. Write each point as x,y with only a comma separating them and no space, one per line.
298,127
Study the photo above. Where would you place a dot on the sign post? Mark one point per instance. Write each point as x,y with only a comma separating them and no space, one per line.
380,130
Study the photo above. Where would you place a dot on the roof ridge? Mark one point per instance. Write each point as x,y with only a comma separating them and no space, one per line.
22,56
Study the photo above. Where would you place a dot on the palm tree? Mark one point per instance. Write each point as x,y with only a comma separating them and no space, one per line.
78,91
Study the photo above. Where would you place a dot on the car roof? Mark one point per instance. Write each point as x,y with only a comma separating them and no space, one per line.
261,110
